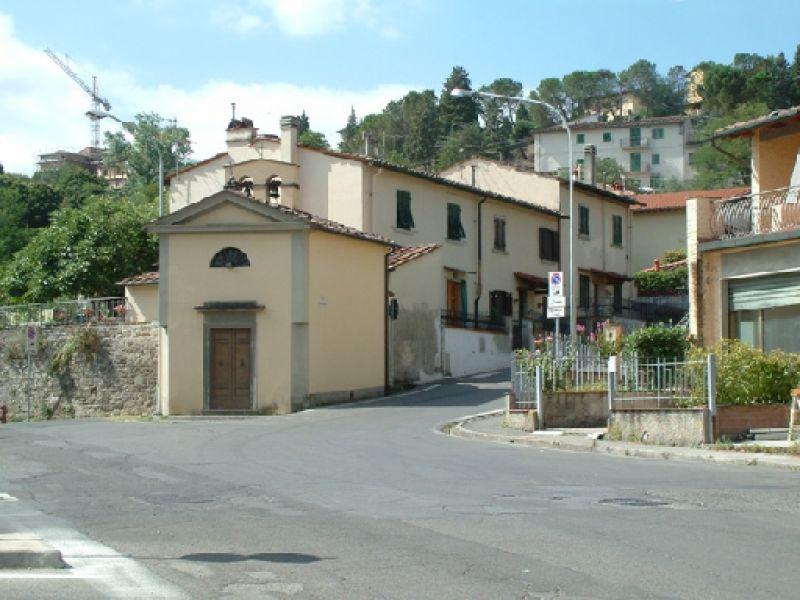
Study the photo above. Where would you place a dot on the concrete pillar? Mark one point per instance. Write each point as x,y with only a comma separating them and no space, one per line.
589,171
289,139
698,228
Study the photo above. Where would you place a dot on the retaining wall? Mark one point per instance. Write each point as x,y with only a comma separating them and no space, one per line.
732,421
120,378
667,427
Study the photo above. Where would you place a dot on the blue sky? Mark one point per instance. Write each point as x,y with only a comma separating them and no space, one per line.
189,59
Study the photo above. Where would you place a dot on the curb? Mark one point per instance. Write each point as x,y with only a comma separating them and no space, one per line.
26,551
458,428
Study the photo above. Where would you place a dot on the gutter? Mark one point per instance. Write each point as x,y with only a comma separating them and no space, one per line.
386,382
480,256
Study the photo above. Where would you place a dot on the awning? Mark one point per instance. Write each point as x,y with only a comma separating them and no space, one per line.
533,281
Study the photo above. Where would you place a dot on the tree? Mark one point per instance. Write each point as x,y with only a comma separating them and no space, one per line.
140,156
350,135
457,113
74,184
84,251
717,169
499,114
313,139
460,145
608,171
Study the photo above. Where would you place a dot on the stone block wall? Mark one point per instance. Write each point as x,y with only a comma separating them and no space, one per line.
119,378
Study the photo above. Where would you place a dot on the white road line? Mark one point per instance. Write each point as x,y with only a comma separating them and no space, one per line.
7,497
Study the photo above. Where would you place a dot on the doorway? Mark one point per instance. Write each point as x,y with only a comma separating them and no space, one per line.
230,369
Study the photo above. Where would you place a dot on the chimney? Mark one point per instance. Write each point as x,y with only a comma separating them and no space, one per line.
589,171
239,134
289,139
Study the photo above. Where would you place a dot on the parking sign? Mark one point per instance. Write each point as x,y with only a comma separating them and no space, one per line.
555,283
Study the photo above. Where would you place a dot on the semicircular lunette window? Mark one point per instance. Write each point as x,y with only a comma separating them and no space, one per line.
230,258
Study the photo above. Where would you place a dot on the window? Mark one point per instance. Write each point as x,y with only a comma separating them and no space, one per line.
636,162
548,244
230,258
656,159
501,304
500,234
617,298
580,138
691,158
584,291
658,133
455,230
579,161
616,233
606,136
405,220
583,220
656,182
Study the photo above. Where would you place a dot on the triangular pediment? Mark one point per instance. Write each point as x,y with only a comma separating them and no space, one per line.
224,209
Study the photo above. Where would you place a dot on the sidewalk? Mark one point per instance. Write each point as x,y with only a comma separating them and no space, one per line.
488,427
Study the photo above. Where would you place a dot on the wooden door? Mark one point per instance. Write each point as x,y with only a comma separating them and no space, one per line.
453,297
230,369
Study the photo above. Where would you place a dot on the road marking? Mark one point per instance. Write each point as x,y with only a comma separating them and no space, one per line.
7,497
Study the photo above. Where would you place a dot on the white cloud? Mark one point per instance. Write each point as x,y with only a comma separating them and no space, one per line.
305,18
44,109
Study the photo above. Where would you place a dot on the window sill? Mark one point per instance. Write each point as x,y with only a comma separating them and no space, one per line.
461,242
499,251
549,260
619,246
584,236
404,230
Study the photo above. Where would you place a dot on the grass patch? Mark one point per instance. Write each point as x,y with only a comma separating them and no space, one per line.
793,450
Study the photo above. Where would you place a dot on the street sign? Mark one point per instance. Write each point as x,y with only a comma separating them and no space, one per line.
31,335
556,311
556,301
555,283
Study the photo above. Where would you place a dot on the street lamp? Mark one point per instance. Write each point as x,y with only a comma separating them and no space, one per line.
462,93
96,115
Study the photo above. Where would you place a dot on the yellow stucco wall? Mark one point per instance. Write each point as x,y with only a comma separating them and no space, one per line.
773,160
191,282
195,184
142,303
332,187
655,232
346,314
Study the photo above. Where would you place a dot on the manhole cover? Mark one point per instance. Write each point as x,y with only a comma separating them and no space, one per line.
637,502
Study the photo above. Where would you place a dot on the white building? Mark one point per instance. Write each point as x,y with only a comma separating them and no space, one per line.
650,151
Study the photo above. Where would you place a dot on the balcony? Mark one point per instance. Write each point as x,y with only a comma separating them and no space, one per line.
472,321
772,211
634,144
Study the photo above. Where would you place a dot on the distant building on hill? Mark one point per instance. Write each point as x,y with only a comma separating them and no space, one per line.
90,159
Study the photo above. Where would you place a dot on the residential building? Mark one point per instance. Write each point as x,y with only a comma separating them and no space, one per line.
602,242
650,151
744,252
89,159
659,222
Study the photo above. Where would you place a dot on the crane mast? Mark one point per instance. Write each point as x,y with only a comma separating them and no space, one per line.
98,101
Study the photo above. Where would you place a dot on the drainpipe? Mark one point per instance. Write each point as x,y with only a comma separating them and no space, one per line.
480,254
386,383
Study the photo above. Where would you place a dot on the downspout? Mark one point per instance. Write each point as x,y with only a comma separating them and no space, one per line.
386,383
480,256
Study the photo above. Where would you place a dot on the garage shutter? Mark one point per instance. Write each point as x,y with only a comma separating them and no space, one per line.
764,292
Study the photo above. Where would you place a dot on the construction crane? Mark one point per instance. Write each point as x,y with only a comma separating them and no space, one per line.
98,101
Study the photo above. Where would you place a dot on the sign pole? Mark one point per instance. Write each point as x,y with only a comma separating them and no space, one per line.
31,335
557,334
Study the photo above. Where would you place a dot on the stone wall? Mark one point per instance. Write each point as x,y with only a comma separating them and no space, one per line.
668,427
574,409
118,378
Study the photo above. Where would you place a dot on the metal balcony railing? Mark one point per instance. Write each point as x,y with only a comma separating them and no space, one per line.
472,321
634,143
756,214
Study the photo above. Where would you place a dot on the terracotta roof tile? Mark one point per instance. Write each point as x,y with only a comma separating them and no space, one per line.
677,200
404,254
149,278
666,266
617,123
745,127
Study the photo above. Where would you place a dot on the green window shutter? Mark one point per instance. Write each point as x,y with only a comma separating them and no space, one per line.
636,162
455,230
606,136
616,221
658,133
764,292
405,220
583,220
580,138
656,159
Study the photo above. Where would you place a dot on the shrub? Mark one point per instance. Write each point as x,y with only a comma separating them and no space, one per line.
658,341
671,256
665,281
746,375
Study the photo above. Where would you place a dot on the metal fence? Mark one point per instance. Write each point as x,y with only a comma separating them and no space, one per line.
473,321
68,312
659,383
754,214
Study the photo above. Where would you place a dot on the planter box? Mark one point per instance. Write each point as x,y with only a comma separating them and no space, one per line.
732,421
667,427
572,409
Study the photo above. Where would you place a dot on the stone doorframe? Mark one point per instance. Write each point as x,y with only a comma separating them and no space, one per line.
228,319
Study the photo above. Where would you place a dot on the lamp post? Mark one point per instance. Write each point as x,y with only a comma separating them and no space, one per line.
96,115
461,93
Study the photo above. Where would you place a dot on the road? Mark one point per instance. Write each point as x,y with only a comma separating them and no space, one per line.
368,501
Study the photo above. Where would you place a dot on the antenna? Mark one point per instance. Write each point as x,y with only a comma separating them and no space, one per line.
233,111
98,102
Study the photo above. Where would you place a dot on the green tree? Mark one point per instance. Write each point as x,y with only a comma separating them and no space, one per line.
609,171
460,145
457,113
83,251
139,157
351,135
75,184
499,114
313,139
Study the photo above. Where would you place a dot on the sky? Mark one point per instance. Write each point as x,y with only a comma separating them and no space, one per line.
189,59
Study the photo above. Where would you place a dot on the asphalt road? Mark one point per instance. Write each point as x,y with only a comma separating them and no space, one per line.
368,501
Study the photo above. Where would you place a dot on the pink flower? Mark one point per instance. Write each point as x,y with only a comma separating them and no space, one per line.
580,328
549,337
592,337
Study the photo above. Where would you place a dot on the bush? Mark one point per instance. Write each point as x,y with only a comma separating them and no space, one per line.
746,375
665,281
671,256
658,341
